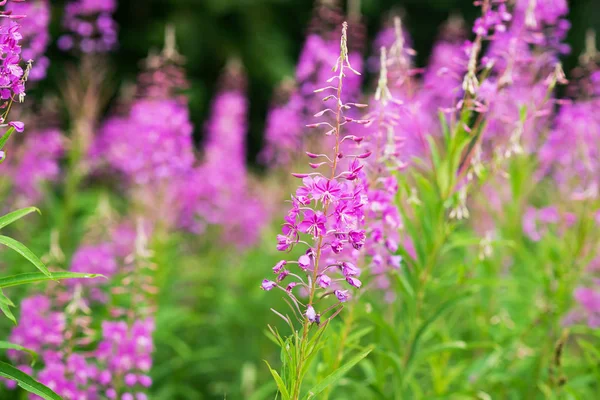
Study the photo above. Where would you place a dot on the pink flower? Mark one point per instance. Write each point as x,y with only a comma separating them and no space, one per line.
313,223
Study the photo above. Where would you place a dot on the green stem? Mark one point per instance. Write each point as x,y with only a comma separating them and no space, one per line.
348,321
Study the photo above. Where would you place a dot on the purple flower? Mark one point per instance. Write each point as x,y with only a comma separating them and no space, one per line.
18,125
326,190
36,36
313,223
337,246
279,266
283,243
90,26
282,275
357,239
335,220
311,315
268,285
38,163
304,262
349,269
323,281
354,282
221,193
589,302
290,286
283,130
342,295
157,151
95,259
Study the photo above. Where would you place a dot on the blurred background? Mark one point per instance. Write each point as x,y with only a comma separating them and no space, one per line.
210,336
267,36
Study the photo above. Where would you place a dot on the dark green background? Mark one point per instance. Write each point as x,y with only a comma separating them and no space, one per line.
267,35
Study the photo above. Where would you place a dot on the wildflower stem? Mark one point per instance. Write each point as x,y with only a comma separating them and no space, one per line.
348,321
319,246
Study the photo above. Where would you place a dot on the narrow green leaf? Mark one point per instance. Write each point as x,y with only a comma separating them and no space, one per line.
406,286
335,376
280,384
356,335
5,304
8,313
5,137
423,328
23,279
27,382
7,345
25,252
5,300
16,215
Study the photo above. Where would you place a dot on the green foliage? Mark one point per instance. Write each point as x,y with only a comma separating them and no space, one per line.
27,382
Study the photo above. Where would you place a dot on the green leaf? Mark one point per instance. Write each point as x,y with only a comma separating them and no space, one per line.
5,137
7,345
23,279
405,284
25,252
280,384
16,215
27,382
416,341
335,376
5,304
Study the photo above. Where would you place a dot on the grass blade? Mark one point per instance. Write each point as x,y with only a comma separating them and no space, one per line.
335,376
25,252
23,279
27,382
16,215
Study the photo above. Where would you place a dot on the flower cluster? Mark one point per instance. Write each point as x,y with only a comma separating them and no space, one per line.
90,25
283,127
125,357
383,218
143,147
328,209
75,363
40,328
35,32
219,193
320,50
570,154
37,164
588,309
12,75
537,222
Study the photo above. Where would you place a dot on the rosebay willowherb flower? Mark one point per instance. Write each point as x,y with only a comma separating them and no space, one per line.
517,96
283,127
327,213
12,74
83,356
90,25
221,180
35,31
36,163
150,150
382,216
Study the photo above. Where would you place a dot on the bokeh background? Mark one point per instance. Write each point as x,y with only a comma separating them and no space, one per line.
267,36
212,318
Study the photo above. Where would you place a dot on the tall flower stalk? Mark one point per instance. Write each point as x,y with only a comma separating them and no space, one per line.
329,208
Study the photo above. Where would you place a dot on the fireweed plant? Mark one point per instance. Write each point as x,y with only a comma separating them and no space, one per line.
442,242
461,142
328,209
13,77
